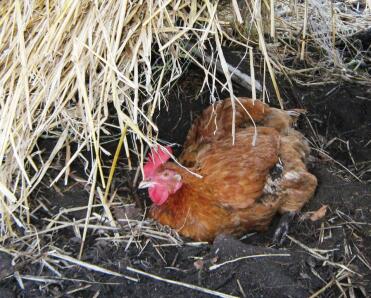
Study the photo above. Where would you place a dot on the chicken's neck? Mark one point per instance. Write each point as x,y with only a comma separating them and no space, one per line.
190,182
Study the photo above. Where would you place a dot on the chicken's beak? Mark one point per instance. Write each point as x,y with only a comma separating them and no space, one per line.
145,184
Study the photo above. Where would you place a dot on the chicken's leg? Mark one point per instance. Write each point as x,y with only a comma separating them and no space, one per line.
283,227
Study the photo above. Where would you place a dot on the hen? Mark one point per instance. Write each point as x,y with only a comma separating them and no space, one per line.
243,185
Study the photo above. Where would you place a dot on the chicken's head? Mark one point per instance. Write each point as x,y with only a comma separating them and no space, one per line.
160,181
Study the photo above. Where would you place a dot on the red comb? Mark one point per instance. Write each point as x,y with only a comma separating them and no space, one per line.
156,159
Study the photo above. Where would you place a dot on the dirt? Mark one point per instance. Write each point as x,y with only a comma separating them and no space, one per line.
342,236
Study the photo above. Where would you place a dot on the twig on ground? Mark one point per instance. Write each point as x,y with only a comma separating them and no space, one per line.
90,266
216,266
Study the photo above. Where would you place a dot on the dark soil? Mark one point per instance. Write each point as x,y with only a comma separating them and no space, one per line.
343,235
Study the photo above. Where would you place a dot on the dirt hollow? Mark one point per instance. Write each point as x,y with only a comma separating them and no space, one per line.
342,236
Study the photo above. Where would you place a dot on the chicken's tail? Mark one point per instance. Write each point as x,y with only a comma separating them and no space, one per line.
216,121
296,112
249,111
217,118
282,120
297,184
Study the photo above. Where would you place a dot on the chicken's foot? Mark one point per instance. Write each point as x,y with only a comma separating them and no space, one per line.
283,227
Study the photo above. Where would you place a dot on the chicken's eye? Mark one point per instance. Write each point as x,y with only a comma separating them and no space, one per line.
165,174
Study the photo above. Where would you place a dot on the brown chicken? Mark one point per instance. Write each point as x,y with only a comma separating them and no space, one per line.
243,185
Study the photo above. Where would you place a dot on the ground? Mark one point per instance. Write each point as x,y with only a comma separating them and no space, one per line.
329,257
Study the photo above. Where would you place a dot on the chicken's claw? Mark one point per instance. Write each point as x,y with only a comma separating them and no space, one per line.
283,227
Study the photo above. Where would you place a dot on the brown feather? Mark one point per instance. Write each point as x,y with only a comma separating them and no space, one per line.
237,193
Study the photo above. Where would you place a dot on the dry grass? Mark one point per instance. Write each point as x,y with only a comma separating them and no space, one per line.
63,63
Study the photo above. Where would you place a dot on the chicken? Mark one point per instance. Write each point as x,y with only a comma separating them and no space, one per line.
243,185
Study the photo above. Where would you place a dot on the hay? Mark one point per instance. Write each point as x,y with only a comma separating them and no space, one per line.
62,63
